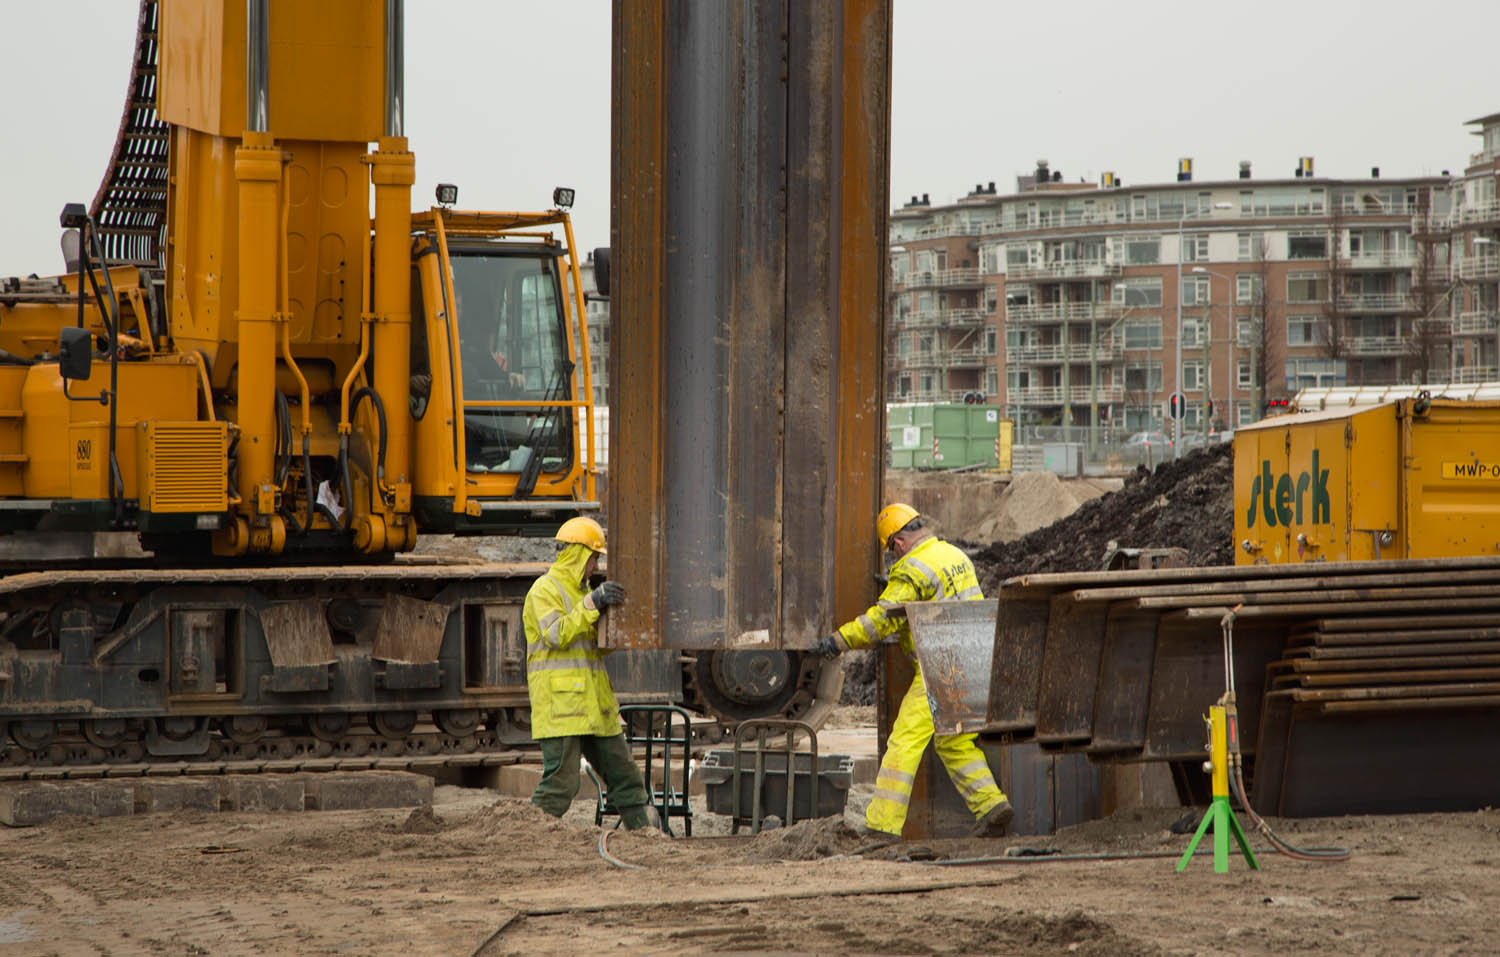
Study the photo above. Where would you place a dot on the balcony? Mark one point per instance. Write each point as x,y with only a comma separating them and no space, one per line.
968,278
918,359
1063,270
1076,395
971,358
1479,267
1475,323
1376,345
1057,353
1476,374
967,357
941,319
1383,259
1064,312
1436,325
949,230
1367,302
1430,225
1064,220
1476,215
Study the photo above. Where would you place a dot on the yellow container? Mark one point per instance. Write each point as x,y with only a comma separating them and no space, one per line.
1414,478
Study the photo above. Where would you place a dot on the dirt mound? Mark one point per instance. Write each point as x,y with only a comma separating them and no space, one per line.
1187,504
1031,501
804,841
422,820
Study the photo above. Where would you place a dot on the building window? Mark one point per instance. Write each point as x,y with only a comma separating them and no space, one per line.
1306,287
1192,375
1195,248
903,346
1136,291
1139,250
1252,245
991,341
1017,379
1143,377
1143,334
1282,202
1019,254
1302,330
991,298
1242,377
1307,246
1246,289
991,381
1193,333
927,383
1195,290
1245,413
989,259
1244,331
1314,374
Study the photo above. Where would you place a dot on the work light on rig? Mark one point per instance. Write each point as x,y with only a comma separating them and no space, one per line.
447,194
562,197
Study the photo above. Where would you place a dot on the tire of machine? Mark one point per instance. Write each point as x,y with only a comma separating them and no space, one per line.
33,734
457,722
737,689
104,732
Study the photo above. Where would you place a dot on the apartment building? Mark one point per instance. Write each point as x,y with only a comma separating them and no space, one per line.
1473,231
596,312
1061,302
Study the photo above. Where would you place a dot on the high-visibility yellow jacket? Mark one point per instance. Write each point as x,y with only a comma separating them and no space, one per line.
932,569
570,691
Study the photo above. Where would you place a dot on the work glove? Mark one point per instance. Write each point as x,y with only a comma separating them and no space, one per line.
609,593
829,646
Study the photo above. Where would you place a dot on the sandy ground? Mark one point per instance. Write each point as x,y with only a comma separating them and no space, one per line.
445,879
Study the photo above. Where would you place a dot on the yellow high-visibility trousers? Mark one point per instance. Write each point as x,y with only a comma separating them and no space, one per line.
966,765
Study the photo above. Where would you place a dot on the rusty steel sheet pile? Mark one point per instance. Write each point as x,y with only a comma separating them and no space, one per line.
1362,687
749,184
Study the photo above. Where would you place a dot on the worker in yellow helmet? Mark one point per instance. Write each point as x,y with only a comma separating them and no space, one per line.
573,707
926,569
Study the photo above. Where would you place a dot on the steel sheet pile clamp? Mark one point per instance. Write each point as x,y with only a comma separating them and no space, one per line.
749,184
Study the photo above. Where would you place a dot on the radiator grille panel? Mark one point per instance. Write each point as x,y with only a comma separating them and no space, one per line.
186,467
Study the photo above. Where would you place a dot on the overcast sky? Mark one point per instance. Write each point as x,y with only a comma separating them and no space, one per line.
508,98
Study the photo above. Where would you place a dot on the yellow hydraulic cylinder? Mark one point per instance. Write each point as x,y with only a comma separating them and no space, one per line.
393,170
257,168
1218,751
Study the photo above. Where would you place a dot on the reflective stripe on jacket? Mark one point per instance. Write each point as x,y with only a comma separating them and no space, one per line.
570,691
933,569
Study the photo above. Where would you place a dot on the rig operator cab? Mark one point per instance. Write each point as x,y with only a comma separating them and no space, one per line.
496,364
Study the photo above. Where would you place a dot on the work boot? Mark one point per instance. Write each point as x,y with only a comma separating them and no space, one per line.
996,821
635,818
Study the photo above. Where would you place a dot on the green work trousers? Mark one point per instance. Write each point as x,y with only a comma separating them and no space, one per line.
609,757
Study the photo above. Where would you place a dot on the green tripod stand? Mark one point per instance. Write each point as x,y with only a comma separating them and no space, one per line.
1220,815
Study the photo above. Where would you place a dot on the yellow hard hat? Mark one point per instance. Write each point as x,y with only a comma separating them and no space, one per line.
891,520
582,531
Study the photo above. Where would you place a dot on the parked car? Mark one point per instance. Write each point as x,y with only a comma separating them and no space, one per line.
1148,448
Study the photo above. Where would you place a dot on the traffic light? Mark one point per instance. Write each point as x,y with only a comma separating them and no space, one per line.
1179,405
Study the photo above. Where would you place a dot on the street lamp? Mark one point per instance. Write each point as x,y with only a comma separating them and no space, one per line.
1187,214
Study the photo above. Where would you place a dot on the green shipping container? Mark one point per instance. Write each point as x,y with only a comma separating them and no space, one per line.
947,436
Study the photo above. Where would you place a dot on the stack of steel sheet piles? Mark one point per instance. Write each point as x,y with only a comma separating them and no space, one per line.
1362,687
